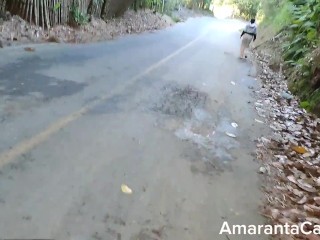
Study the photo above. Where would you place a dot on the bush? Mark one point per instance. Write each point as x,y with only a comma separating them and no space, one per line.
78,17
247,8
299,20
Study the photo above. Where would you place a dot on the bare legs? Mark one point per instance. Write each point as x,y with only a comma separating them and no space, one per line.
242,48
245,43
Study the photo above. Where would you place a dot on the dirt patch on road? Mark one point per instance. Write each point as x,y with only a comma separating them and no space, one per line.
180,101
186,111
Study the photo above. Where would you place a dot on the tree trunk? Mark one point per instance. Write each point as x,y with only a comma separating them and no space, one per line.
135,5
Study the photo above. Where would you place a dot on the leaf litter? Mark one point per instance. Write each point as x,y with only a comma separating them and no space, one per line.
29,49
235,125
258,121
16,31
292,152
125,189
230,135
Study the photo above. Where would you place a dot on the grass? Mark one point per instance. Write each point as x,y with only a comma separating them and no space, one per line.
175,19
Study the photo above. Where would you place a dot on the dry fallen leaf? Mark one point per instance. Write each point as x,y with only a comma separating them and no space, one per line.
292,179
312,209
297,193
303,200
285,220
29,49
312,237
258,121
262,170
305,186
235,125
277,165
313,220
231,135
275,213
317,181
317,200
125,189
299,149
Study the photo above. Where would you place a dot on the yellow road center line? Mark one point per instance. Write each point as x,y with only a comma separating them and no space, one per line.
26,145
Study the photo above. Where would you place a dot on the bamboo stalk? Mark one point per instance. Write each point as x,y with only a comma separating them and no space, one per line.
27,4
35,5
46,11
28,9
63,10
59,15
31,11
10,7
51,11
42,13
22,8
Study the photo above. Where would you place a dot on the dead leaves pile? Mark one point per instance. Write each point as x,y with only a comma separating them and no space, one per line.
292,153
16,31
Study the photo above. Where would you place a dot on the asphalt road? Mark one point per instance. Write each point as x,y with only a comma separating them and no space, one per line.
150,111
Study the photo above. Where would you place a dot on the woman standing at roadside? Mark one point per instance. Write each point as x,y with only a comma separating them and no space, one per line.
248,35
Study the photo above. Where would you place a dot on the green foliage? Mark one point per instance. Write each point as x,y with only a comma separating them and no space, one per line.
298,20
284,16
206,4
170,5
247,8
305,105
315,101
271,8
312,102
57,6
202,4
153,3
303,35
176,19
78,16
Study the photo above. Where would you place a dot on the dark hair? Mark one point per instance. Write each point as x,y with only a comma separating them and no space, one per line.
252,20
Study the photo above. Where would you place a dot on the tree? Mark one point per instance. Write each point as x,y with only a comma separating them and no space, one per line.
247,8
47,13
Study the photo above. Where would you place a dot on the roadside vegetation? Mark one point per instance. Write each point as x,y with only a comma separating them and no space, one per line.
48,13
290,28
240,8
296,23
81,21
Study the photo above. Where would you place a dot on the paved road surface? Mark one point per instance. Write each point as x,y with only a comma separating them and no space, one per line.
149,111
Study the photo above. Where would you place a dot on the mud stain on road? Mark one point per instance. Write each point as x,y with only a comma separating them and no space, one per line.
179,101
187,112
